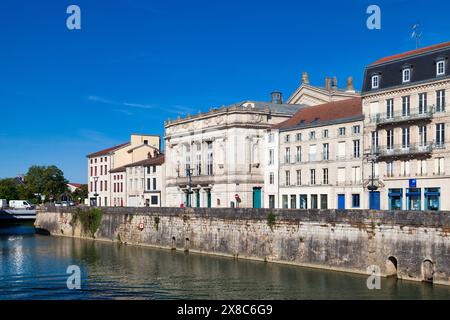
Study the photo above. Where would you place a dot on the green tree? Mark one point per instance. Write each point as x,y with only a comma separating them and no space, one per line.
48,181
80,193
9,189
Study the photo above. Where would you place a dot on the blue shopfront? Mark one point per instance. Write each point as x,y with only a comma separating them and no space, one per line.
431,198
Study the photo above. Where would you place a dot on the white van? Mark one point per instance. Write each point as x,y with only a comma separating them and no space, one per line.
20,204
3,203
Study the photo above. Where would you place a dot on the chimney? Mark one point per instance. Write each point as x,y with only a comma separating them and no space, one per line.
305,77
350,86
277,97
327,83
334,84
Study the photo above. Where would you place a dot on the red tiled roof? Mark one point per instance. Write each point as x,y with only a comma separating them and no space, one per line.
157,161
344,109
106,151
76,185
412,52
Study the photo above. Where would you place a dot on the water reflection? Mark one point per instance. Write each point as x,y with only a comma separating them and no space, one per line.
34,267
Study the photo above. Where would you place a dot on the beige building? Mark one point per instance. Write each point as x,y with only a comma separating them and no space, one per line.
320,158
406,129
101,181
215,159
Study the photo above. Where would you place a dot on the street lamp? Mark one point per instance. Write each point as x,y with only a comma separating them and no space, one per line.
372,158
95,190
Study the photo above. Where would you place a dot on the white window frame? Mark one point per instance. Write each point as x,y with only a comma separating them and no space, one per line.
375,82
406,75
438,64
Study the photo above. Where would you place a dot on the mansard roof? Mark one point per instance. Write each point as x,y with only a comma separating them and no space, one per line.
324,114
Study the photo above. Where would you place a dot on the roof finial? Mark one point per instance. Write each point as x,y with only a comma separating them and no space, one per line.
305,77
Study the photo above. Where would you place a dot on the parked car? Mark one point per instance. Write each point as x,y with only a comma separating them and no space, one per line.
20,204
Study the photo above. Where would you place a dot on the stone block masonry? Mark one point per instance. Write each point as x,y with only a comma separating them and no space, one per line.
409,245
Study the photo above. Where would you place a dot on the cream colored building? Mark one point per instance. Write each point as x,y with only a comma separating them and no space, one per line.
407,129
320,158
101,181
215,159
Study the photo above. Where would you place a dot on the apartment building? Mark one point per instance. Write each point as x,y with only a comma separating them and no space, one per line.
101,181
406,129
320,158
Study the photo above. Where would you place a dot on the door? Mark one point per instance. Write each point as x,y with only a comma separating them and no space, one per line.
256,197
341,201
374,200
208,199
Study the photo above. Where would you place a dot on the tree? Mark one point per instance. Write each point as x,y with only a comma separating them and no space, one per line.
48,181
80,193
9,189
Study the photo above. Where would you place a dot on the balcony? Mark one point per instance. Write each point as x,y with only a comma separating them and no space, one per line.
399,152
385,119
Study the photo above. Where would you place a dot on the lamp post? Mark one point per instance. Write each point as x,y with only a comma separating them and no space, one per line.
95,190
372,158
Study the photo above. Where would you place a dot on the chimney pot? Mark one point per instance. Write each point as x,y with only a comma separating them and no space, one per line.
277,97
327,83
334,84
350,86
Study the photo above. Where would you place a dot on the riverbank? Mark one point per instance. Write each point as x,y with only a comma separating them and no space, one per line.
410,245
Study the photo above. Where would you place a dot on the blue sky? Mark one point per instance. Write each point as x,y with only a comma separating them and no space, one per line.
134,64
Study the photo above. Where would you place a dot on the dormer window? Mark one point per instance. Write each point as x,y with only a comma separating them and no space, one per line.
375,82
406,75
440,68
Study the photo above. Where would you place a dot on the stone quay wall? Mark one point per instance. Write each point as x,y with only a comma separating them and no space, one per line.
409,245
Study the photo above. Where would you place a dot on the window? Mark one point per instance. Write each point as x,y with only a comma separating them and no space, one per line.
356,201
154,200
440,135
375,82
187,159
356,129
405,138
341,150
326,151
421,167
389,108
287,138
439,166
271,201
288,178
287,155
209,167
406,75
341,132
422,103
356,149
389,169
271,156
390,139
440,100
395,199
440,68
313,176
293,201
299,177
374,141
271,178
323,201
325,176
325,133
303,201
285,201
271,137
149,184
313,153
299,154
404,167
406,106
314,204
146,142
198,160
422,136
312,135
356,175
299,137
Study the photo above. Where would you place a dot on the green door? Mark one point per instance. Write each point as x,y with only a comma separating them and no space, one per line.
197,195
256,197
208,199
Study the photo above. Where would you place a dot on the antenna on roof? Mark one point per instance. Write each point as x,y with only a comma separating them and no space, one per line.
416,34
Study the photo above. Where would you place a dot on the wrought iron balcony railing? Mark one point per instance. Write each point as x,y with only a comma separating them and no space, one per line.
400,116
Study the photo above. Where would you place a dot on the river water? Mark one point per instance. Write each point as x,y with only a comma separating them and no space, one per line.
35,267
